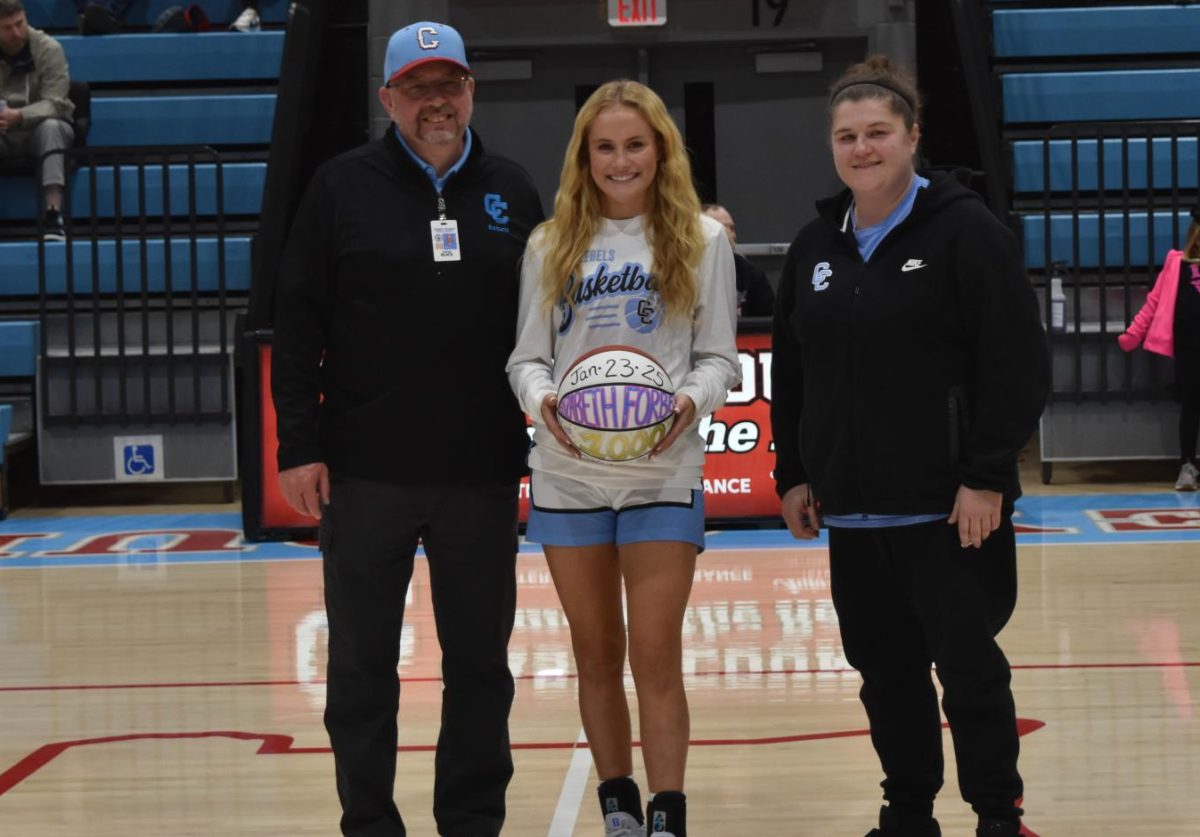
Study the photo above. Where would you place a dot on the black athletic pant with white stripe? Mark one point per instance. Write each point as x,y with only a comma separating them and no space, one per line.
909,596
368,535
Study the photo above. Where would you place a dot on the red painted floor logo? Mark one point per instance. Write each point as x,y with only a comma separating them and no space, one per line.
1146,520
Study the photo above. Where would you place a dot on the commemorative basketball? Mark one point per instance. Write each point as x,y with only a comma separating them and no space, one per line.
616,403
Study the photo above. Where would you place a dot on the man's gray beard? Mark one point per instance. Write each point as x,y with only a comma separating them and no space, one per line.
441,136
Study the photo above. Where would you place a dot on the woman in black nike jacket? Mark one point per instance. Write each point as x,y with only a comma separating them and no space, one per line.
910,369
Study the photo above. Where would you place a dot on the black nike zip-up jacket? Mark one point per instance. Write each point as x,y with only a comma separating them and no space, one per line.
897,380
407,353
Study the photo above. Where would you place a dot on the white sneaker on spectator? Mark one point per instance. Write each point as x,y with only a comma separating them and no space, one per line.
1189,478
247,21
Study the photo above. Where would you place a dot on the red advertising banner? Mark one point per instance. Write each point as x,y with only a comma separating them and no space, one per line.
276,513
737,470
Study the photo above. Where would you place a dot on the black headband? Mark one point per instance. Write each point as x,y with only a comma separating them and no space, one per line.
1196,213
886,85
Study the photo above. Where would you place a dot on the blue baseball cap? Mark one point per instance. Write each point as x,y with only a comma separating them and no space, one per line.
422,42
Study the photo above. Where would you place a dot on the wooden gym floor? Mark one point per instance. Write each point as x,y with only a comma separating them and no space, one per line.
172,683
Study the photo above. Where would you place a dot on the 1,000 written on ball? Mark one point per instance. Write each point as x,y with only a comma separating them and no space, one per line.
616,403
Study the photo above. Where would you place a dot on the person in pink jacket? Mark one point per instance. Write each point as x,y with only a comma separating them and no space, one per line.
1169,324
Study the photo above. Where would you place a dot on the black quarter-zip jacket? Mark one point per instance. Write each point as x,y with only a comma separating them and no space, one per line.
897,380
407,353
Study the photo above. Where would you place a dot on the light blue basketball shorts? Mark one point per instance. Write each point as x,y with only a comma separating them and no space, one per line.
568,512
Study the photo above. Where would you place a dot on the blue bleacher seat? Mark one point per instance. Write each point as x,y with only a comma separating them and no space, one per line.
1028,165
19,266
60,14
1115,30
1100,96
182,120
243,187
221,56
1141,252
18,348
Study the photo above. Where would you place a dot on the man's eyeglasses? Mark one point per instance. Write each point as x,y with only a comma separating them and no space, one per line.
416,91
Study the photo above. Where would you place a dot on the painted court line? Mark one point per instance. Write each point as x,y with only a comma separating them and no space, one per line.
764,672
574,786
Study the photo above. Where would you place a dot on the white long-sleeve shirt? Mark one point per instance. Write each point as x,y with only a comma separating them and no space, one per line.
614,305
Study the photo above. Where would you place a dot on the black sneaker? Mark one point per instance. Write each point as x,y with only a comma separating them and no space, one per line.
621,803
53,226
998,828
666,814
98,20
889,826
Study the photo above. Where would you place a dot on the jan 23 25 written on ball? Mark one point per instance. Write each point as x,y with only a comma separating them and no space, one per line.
616,403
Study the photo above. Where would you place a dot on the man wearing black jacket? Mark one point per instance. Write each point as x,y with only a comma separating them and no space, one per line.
396,312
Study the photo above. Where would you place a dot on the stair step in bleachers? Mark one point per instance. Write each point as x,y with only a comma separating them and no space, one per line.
145,57
1179,172
61,14
19,266
1114,30
1103,95
140,332
242,184
180,120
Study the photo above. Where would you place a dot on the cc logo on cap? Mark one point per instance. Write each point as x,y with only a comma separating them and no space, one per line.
427,43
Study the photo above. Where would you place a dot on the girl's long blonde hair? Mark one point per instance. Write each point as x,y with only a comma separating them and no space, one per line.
672,226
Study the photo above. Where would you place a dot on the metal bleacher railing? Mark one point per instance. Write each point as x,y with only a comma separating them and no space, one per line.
1114,199
1099,109
136,305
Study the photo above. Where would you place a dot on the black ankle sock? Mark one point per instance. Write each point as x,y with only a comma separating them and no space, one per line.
621,794
667,811
904,814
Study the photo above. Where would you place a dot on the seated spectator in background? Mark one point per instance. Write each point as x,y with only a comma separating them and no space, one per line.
755,296
103,17
248,20
35,113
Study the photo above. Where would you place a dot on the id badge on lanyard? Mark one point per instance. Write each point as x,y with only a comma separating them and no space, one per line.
447,246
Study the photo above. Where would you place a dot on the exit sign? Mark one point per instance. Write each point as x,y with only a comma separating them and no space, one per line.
637,12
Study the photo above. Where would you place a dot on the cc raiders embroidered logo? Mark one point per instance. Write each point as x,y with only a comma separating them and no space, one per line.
820,277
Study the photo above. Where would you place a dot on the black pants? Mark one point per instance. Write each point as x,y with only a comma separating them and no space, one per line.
910,596
368,536
1187,392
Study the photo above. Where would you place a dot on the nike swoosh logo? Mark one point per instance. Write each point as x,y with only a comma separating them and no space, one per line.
911,265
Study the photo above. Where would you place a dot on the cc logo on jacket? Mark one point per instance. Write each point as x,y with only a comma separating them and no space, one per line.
820,277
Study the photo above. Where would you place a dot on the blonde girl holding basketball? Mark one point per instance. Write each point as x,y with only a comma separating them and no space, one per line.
627,260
